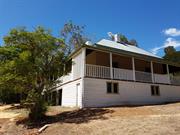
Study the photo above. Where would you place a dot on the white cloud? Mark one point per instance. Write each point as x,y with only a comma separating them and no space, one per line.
168,42
172,32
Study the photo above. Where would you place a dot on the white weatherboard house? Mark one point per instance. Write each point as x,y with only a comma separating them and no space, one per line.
110,73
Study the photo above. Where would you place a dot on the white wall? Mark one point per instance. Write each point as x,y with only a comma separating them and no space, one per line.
77,66
76,69
70,97
95,93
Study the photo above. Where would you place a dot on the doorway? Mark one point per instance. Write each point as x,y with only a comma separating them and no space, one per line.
60,96
78,101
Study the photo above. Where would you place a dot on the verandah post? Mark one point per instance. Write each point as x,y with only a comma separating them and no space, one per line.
152,72
133,66
111,69
167,67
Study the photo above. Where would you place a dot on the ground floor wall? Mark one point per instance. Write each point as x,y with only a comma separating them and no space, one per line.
71,93
95,93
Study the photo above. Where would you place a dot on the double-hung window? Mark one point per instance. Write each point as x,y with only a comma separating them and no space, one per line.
155,90
112,87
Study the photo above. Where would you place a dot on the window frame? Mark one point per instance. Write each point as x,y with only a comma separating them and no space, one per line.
155,90
107,90
112,88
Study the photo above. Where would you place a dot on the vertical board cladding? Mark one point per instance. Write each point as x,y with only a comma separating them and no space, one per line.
70,96
77,66
95,93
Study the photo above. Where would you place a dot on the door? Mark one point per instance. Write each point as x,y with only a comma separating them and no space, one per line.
78,95
60,96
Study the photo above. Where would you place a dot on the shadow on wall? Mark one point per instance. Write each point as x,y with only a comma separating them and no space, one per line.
79,116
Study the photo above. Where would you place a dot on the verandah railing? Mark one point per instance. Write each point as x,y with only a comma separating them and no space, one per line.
175,80
97,71
143,76
125,74
122,74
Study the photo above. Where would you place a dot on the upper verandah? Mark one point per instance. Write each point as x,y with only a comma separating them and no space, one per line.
125,50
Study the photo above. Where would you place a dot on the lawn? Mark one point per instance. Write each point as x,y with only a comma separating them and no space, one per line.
138,120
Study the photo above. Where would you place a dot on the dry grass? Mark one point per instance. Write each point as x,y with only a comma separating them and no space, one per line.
148,120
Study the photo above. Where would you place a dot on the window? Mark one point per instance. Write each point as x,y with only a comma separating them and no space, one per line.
115,87
112,87
109,87
155,90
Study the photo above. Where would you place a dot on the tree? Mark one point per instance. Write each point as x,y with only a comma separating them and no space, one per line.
133,42
73,35
9,93
169,50
123,39
32,61
171,54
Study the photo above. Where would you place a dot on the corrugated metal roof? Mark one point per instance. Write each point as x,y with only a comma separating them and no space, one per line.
125,47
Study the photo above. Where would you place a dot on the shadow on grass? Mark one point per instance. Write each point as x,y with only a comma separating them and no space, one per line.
79,116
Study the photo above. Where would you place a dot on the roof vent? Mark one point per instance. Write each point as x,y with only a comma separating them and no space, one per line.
117,38
114,37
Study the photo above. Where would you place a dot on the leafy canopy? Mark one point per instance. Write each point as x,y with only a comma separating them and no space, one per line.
32,58
32,62
171,54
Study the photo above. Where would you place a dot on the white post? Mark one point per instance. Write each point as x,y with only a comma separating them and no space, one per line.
83,75
111,68
167,67
83,62
152,72
133,66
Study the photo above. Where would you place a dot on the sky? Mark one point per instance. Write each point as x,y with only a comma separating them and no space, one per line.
155,24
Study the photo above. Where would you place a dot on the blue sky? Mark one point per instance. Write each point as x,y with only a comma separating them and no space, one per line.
153,23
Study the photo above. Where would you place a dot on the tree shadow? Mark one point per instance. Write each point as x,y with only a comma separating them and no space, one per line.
15,107
79,116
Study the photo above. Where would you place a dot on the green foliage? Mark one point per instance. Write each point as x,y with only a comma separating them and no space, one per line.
9,96
123,38
37,105
133,42
31,61
169,50
172,55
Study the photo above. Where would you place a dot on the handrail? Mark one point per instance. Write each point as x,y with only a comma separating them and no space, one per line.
99,71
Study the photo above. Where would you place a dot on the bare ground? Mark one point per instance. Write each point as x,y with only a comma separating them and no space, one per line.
138,120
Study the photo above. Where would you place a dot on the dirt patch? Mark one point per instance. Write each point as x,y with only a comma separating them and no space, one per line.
131,111
11,111
75,116
8,115
146,120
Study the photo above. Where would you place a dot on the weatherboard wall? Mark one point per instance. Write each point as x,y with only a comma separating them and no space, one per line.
95,93
77,66
70,95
